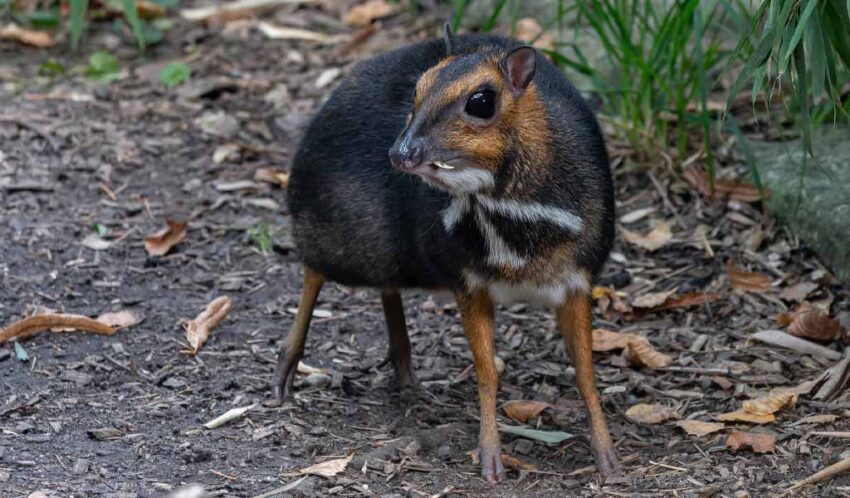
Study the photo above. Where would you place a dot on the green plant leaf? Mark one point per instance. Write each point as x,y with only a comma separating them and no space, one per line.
175,73
51,68
132,16
548,437
103,67
77,18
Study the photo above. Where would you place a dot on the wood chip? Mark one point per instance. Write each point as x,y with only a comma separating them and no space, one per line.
227,416
781,339
328,468
273,32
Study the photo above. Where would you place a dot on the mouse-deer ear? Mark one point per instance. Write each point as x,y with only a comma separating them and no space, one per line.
449,37
519,65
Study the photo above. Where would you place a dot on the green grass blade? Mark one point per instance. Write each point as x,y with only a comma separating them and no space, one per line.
460,10
802,22
132,16
77,18
494,16
703,95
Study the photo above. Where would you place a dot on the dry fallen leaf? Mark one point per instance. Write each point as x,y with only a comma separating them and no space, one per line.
770,404
744,416
57,322
199,329
689,299
636,349
273,176
744,281
643,413
812,322
652,299
699,428
365,13
657,238
735,191
329,468
641,353
799,291
25,36
762,410
164,240
513,463
606,340
759,443
120,319
521,411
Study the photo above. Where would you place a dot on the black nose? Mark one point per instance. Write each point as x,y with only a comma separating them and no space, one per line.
406,153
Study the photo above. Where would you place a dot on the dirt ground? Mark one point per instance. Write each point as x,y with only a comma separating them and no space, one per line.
122,416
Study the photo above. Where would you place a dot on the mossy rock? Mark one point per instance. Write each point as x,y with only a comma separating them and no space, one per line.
814,202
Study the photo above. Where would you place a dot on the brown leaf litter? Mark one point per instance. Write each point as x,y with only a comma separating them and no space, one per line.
161,242
199,329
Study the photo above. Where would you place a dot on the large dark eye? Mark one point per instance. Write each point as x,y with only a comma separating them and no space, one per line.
482,104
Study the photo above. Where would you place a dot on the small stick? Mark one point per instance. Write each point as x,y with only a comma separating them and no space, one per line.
698,370
827,473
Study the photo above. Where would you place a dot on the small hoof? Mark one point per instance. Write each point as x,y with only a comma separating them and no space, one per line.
492,469
607,462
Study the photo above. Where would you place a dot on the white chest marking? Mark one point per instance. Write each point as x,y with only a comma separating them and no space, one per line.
499,253
532,212
553,293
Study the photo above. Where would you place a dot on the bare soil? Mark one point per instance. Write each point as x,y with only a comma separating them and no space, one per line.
122,416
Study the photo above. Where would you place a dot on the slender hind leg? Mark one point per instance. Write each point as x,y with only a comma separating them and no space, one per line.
399,350
574,320
293,346
476,313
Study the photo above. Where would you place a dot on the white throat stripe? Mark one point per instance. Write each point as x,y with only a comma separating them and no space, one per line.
531,212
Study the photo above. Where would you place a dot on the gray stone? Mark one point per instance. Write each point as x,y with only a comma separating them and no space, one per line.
814,203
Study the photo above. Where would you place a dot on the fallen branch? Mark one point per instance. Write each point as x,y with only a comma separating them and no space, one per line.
788,341
827,473
34,324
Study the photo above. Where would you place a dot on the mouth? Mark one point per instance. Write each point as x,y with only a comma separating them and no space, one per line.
443,165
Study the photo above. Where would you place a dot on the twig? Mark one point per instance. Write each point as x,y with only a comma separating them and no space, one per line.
827,473
698,370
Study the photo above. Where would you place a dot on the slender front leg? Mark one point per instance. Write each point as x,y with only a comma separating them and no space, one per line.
574,320
293,346
399,350
476,313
